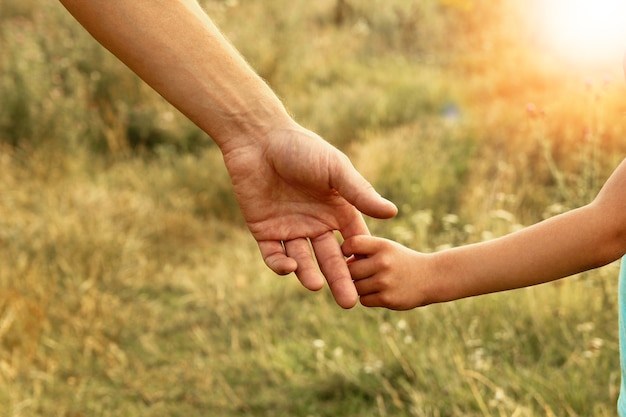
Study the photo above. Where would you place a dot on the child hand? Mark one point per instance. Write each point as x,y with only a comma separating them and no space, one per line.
387,274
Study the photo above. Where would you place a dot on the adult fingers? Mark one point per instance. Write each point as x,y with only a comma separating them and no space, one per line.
275,258
355,226
333,265
306,271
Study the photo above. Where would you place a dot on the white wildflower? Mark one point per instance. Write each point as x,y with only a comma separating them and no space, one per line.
319,344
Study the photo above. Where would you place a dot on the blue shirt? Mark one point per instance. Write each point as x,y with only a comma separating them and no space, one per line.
621,402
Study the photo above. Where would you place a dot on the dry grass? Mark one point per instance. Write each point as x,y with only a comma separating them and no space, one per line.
128,285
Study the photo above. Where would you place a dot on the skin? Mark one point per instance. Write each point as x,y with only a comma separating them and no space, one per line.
294,189
390,275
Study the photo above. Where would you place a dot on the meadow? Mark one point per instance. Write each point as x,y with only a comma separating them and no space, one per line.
129,285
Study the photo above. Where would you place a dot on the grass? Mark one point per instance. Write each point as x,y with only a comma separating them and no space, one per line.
130,287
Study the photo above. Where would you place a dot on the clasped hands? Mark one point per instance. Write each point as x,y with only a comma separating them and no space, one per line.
294,191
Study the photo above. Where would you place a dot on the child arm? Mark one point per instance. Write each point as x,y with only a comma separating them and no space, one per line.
394,277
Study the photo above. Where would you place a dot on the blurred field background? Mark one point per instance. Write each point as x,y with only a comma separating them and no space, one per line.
129,285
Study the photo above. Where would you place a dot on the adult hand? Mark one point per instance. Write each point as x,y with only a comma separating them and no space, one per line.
292,186
294,190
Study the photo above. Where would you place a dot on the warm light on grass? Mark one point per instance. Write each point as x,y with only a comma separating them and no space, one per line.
585,31
129,286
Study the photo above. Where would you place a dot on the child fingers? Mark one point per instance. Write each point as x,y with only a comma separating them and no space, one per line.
361,268
366,287
360,245
370,300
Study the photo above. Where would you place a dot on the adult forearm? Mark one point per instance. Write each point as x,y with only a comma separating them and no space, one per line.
174,46
558,247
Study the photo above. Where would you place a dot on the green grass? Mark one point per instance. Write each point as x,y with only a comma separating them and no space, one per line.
130,287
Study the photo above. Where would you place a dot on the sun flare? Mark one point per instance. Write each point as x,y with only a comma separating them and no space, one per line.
587,31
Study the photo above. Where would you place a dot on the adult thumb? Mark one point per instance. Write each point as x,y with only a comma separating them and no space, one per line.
355,189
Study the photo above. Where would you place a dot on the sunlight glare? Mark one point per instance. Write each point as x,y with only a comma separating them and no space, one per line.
587,31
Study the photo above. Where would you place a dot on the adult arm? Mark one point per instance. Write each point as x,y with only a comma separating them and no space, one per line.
294,189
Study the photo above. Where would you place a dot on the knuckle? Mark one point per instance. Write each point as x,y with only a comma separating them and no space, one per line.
383,263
